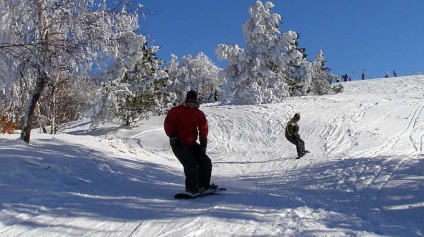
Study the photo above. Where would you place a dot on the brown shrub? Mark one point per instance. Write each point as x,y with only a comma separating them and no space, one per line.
7,126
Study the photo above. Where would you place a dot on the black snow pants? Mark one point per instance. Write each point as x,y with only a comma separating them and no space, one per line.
300,144
197,166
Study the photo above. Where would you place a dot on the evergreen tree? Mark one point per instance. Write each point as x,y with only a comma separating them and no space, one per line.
270,64
298,68
138,90
321,79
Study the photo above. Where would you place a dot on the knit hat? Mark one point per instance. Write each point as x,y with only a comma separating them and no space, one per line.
297,115
191,95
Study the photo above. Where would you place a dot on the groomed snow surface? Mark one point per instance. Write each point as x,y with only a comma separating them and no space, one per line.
364,177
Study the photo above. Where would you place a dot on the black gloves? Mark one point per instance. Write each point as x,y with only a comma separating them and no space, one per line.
203,147
174,141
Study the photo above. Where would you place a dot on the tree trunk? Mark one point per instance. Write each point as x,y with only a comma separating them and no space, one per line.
53,108
32,103
40,120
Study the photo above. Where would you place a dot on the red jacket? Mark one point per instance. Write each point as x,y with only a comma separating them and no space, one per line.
187,124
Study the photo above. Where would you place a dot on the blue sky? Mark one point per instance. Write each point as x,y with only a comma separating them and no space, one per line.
377,35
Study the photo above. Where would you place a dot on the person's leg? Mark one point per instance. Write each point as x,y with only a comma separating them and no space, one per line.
295,141
186,158
301,145
205,171
204,166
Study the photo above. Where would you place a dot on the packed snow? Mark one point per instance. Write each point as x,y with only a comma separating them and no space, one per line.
363,177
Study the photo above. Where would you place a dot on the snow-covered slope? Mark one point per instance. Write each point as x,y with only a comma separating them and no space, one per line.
364,177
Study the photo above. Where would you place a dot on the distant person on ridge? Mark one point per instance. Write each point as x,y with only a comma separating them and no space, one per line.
293,136
183,125
387,75
345,77
363,74
394,73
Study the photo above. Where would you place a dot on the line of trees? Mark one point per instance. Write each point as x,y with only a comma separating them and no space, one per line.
60,60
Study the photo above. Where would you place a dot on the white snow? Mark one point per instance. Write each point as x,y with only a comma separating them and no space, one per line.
364,177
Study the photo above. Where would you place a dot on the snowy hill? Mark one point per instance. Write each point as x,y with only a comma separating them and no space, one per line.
364,177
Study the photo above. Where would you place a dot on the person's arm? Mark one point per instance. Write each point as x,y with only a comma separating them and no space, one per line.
295,130
169,126
203,131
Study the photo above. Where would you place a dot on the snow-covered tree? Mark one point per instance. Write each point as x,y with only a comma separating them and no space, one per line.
194,73
321,79
47,38
258,73
298,68
62,102
271,67
138,90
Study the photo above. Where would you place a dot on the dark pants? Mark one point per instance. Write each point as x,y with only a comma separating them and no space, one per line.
300,144
197,166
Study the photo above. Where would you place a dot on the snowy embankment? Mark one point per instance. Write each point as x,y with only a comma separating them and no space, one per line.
364,177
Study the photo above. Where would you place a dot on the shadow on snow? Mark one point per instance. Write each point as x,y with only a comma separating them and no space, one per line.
83,182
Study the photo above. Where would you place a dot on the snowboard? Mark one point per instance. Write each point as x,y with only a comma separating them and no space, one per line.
198,195
306,152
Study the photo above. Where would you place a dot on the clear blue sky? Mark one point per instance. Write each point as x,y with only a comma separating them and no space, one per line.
377,35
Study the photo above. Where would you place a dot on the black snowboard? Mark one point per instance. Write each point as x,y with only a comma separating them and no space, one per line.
198,195
306,152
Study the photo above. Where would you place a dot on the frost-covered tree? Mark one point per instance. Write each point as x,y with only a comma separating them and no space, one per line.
194,73
47,38
62,102
17,96
321,79
258,73
138,90
298,68
272,66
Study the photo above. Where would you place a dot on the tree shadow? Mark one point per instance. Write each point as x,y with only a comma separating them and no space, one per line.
69,180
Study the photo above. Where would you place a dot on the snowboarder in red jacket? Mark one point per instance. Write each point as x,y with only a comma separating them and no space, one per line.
183,125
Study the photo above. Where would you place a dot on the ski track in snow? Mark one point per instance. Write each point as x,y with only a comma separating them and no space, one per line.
360,178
